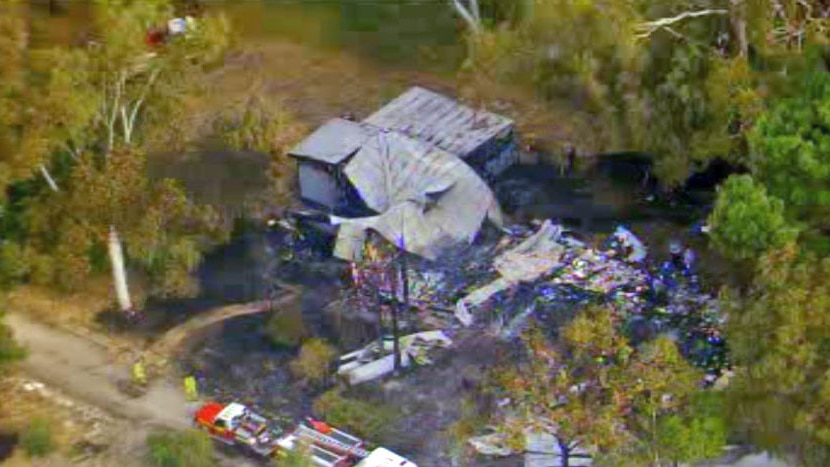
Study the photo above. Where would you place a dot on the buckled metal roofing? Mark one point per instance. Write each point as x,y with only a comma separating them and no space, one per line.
434,118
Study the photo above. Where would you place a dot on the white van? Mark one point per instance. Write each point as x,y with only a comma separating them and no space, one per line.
382,457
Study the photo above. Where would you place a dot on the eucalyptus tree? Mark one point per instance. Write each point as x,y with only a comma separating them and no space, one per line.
98,105
600,397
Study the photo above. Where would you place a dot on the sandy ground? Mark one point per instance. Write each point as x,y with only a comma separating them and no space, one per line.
84,372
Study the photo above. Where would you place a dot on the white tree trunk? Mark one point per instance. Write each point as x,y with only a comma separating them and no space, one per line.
737,16
119,273
468,13
51,181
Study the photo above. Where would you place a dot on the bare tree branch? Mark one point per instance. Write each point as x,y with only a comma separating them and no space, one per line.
648,28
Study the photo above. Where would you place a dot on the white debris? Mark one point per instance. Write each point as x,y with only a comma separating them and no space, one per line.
494,444
536,256
374,361
177,26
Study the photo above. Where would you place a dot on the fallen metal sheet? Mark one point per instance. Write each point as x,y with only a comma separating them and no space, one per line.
536,256
372,362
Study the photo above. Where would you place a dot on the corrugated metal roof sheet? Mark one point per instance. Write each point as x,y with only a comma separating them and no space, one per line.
333,142
396,176
429,116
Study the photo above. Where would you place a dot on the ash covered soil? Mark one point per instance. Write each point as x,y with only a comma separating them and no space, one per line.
430,399
239,363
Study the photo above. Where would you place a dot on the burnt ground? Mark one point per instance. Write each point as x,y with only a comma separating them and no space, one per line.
431,397
238,362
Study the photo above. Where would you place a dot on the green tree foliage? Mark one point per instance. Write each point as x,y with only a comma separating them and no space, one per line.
12,67
695,434
664,384
43,105
791,150
746,221
778,334
565,48
13,265
161,228
91,109
190,448
682,80
314,360
593,390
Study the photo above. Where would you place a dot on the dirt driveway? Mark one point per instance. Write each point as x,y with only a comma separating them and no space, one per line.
83,370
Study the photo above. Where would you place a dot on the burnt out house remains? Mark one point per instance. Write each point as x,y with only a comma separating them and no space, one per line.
483,140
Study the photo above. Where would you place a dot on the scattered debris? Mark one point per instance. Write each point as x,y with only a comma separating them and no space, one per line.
493,444
372,361
547,274
538,255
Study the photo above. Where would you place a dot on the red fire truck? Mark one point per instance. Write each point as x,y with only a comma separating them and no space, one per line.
235,424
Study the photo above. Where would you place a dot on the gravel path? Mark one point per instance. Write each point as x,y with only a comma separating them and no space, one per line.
83,371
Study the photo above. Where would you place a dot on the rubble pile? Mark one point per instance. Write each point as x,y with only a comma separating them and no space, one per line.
548,274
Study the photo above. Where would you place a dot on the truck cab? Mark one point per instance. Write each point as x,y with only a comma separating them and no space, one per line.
236,424
382,457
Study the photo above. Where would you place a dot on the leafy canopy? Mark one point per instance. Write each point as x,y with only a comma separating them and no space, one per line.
88,111
791,150
593,389
779,335
746,221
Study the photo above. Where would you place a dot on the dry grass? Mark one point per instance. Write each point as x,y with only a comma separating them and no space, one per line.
76,312
317,85
70,310
71,422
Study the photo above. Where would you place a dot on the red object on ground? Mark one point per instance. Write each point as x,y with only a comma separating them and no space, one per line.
207,414
322,427
155,38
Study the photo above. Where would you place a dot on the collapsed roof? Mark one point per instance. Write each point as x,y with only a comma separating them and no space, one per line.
428,199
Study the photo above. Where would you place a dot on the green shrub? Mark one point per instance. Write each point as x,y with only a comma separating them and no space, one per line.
747,221
286,328
36,439
312,364
10,350
13,264
190,448
368,420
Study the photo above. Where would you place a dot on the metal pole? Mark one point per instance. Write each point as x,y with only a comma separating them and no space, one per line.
395,344
405,280
376,289
405,286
